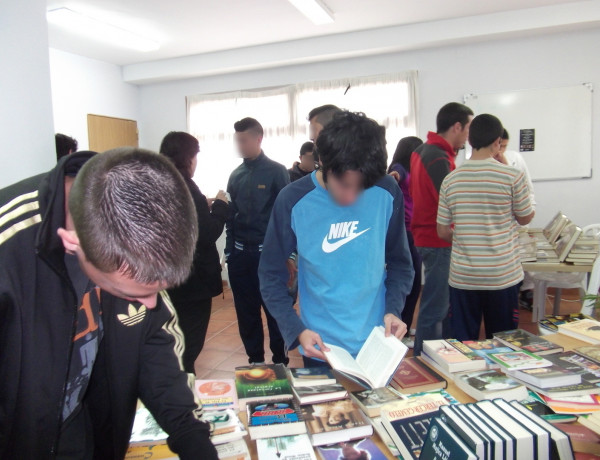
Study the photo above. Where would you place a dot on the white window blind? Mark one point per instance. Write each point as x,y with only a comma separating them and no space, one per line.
391,100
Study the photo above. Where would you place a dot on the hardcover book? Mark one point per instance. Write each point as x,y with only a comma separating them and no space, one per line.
413,376
442,443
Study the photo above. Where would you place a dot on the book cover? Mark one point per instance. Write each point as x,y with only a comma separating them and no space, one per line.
443,444
551,322
441,350
410,433
296,447
547,377
319,393
273,413
385,437
489,384
484,348
259,381
153,451
591,352
224,421
217,394
371,401
519,339
587,330
146,429
413,376
360,449
518,360
310,376
235,450
583,404
332,416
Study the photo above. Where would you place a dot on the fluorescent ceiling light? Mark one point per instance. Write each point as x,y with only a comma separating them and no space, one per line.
315,10
98,30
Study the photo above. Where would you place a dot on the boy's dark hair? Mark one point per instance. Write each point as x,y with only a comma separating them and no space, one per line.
248,124
180,148
485,130
404,150
133,213
505,135
307,147
451,114
64,145
324,114
352,142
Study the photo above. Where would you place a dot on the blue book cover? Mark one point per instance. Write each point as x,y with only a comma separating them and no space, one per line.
273,413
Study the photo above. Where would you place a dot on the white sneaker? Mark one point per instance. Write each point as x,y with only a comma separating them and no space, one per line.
410,343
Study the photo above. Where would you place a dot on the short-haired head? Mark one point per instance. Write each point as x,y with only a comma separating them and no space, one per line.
248,124
307,147
319,118
64,145
450,114
352,142
484,131
505,135
133,214
181,148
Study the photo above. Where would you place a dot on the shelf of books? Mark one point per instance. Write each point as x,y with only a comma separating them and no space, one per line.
514,396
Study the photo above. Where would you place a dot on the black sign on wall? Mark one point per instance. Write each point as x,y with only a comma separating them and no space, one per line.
526,140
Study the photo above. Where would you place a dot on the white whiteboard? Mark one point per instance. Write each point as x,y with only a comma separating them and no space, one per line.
562,120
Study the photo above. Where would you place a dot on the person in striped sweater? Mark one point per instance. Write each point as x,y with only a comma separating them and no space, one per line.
480,205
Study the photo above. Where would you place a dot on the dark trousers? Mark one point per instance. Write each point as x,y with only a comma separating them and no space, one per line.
499,309
243,278
193,316
413,296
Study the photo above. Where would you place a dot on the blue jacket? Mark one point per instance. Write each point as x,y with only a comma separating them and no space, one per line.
354,264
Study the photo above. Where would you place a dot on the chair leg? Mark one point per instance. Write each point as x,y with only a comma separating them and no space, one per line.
539,300
557,296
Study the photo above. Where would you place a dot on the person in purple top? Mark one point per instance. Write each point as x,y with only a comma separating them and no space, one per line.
400,170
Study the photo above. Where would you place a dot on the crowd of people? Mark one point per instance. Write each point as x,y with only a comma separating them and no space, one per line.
108,267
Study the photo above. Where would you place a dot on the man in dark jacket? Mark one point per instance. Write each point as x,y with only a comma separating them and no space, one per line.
85,330
307,162
253,187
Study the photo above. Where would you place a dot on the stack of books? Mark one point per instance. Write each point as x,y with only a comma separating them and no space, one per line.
584,251
527,247
567,239
493,429
550,323
586,330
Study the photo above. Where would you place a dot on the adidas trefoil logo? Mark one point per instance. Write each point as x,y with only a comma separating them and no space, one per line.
133,316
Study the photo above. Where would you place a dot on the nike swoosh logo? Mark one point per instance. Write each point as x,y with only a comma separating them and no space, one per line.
331,247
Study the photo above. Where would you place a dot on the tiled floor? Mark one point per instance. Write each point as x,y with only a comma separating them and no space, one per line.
223,350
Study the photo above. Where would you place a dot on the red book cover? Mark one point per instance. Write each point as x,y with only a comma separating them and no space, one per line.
414,375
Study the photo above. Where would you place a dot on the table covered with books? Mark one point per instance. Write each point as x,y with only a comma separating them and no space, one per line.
487,399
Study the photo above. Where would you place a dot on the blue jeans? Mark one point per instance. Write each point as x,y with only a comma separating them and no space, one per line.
435,299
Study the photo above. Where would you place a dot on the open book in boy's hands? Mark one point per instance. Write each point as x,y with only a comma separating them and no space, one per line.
376,361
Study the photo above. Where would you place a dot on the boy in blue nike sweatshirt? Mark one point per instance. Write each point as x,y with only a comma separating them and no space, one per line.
346,222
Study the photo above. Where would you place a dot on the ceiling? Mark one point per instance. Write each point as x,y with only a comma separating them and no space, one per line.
185,27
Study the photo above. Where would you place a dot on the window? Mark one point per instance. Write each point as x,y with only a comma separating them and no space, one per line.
282,111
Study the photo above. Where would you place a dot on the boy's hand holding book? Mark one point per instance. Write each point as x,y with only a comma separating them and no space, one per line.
394,326
310,340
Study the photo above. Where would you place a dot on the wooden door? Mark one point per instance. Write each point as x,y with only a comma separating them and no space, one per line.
105,133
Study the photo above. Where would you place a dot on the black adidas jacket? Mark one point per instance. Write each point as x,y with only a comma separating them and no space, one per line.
37,310
253,187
